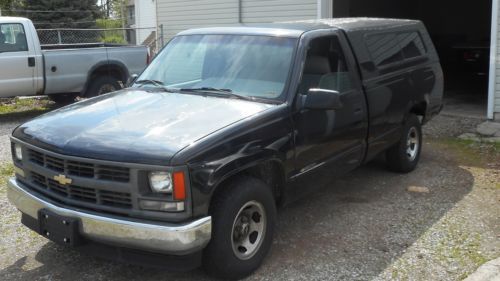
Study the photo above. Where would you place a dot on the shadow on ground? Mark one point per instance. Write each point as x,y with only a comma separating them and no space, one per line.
352,228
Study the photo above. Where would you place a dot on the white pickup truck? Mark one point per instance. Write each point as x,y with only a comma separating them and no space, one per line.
61,71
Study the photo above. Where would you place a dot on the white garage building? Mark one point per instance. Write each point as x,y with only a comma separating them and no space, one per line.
457,27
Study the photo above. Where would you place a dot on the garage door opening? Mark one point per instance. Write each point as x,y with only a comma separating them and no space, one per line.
461,33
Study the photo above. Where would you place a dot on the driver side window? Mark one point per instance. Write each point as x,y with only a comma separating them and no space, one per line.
12,38
325,67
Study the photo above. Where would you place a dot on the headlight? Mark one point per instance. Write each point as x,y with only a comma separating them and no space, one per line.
161,182
18,152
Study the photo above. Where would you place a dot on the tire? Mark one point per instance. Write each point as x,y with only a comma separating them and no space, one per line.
235,213
403,157
62,99
102,85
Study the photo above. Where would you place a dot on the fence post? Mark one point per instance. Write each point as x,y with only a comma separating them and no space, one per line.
123,22
59,36
161,35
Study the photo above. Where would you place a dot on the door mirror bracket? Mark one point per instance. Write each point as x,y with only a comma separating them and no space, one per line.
131,79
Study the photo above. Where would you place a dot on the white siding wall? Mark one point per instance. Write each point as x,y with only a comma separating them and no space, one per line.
145,17
494,84
178,15
261,11
496,100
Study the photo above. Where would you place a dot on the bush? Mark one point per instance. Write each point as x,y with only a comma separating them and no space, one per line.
117,39
108,23
111,36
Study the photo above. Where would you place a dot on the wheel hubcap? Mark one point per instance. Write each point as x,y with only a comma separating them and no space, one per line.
249,228
106,88
412,144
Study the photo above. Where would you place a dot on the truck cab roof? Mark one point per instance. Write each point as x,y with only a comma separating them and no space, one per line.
297,28
13,20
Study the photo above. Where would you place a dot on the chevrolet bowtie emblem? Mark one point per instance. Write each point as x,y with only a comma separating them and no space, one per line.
63,180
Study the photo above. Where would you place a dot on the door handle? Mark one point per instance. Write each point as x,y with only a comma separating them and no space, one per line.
31,61
358,108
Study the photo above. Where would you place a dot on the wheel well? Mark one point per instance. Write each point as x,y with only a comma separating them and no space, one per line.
109,70
270,172
419,109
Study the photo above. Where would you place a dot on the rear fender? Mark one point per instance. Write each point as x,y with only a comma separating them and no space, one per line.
106,66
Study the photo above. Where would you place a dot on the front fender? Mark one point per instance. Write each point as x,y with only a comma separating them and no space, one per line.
260,140
207,177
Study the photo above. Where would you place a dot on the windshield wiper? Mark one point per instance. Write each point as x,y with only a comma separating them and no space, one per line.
158,84
218,91
150,81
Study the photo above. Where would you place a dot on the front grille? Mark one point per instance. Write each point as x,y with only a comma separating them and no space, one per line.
59,192
53,163
112,173
115,199
36,157
81,169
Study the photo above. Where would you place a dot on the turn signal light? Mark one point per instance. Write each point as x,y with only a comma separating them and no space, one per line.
179,186
154,205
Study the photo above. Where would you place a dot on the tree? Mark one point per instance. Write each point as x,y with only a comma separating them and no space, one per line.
62,13
113,8
5,4
8,5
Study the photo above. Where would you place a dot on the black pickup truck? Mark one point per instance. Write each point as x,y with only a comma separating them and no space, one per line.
188,165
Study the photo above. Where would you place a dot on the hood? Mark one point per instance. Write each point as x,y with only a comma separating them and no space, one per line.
134,125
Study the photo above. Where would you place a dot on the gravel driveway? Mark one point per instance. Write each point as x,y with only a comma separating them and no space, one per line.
6,127
364,226
7,124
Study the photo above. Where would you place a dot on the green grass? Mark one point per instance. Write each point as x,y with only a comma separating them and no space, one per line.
24,106
459,143
472,152
6,171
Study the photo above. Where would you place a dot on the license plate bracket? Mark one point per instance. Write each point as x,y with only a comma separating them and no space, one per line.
60,229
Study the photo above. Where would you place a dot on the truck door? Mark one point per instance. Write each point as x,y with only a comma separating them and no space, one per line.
330,142
17,64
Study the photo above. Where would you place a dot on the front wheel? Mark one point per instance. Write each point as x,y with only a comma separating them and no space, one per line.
243,215
403,157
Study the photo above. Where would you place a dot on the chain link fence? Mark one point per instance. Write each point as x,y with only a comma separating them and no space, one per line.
79,28
152,37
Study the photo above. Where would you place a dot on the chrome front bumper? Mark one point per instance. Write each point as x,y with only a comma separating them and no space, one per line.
176,239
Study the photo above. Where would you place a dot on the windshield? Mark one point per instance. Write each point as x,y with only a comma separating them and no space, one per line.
252,66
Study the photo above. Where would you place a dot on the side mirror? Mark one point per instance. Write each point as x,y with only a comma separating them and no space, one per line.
322,99
132,79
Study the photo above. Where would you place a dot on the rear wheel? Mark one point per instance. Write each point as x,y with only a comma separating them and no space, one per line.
403,157
102,85
243,215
